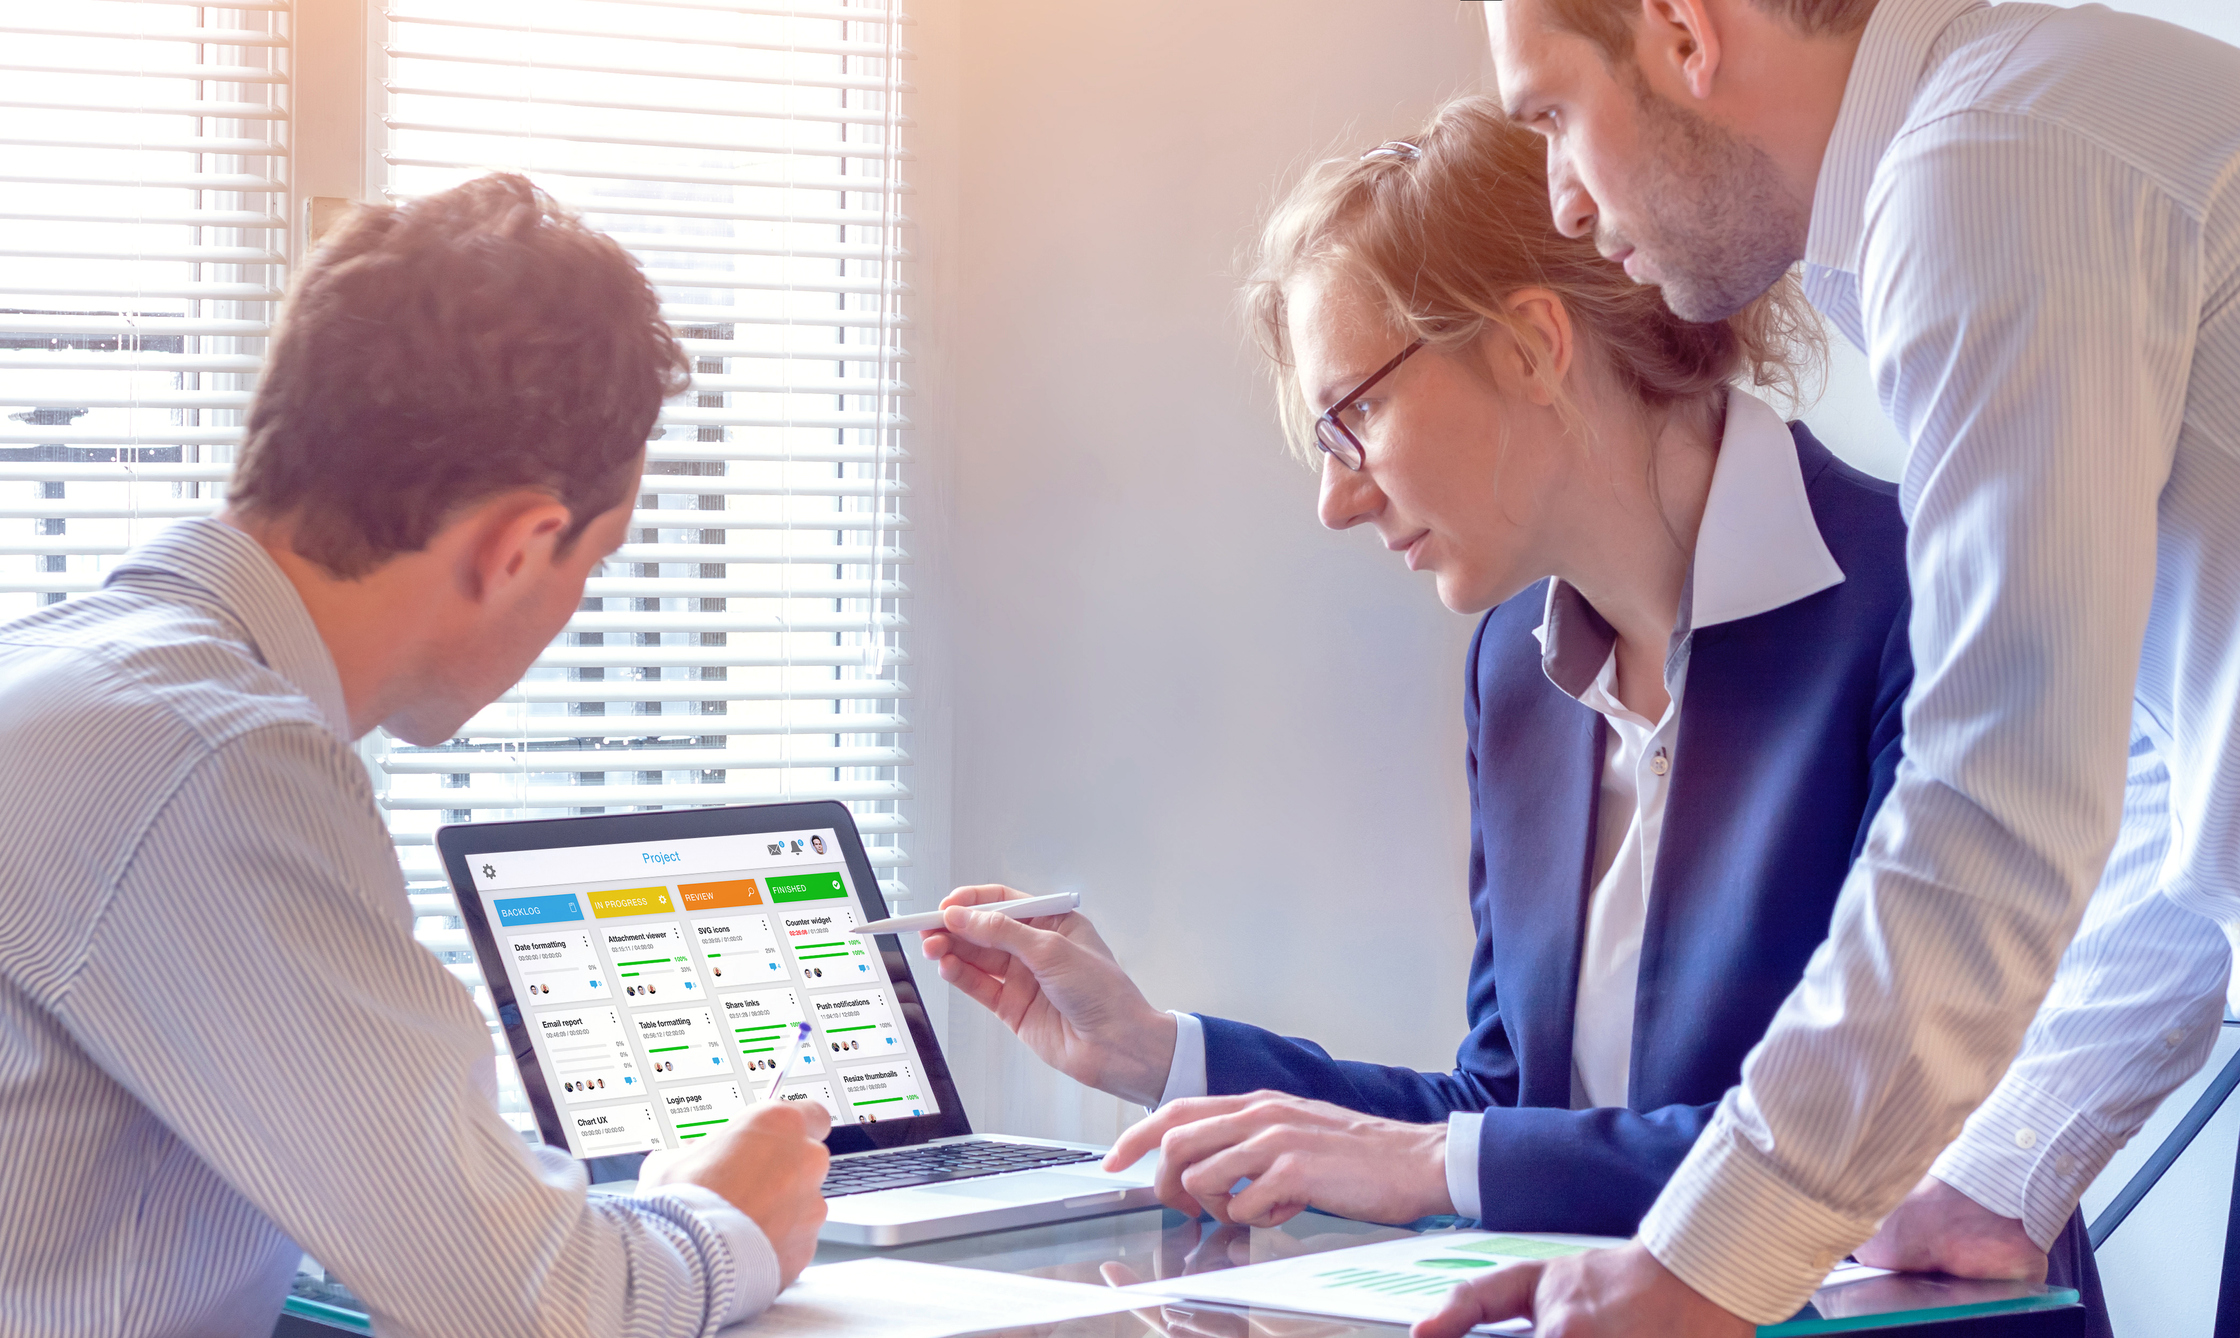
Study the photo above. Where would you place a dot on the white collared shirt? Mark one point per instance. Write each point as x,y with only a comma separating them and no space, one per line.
1758,548
1629,826
2025,217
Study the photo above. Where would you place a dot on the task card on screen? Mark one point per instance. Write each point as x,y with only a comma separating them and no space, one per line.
697,1111
607,1130
819,1091
761,1024
588,1054
887,1092
855,1021
558,966
682,1044
741,949
650,965
823,949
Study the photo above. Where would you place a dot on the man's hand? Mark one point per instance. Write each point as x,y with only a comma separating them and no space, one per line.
1055,984
1938,1229
771,1168
1621,1293
1296,1153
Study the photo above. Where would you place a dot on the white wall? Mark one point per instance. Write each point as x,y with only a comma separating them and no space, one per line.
1145,670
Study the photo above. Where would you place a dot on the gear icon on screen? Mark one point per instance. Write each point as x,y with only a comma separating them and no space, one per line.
489,870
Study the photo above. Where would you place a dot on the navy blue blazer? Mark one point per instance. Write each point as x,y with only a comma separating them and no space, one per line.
1789,739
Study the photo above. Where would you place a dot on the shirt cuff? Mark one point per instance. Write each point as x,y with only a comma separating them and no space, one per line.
1731,1227
2028,1156
1464,1128
754,1265
1186,1074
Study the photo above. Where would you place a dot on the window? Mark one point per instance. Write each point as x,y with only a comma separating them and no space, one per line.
749,643
143,199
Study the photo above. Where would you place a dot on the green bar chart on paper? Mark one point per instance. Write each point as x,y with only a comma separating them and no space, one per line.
1436,1274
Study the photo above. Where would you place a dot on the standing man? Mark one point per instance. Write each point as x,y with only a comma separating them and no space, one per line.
2029,220
205,947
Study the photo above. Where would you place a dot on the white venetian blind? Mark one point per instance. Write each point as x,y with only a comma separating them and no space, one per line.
747,645
143,166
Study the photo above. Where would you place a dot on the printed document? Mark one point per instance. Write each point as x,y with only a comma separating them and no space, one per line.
895,1298
1393,1281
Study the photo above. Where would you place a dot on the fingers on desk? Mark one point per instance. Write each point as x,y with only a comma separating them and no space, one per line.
1505,1293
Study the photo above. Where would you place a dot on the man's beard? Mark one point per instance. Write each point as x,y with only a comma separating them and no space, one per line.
1721,228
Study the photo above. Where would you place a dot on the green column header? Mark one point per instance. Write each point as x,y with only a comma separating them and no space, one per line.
806,887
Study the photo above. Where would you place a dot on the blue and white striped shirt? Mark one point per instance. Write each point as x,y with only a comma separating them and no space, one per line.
219,1043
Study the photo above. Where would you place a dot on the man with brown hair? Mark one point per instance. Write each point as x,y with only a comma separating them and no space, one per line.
2027,218
204,939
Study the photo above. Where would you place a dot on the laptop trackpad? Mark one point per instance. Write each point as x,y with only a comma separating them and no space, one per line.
1031,1187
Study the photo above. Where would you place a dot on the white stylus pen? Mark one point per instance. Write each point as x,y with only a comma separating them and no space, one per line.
793,1052
1056,904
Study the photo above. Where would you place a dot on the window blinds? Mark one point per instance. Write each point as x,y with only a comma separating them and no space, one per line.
143,179
748,643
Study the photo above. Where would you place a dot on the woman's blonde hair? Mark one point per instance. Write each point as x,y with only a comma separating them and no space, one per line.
1444,226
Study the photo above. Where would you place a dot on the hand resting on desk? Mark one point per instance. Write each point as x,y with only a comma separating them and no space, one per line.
1938,1229
1616,1293
1297,1153
771,1168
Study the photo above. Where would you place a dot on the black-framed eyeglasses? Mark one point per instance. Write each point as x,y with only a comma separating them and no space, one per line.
1335,438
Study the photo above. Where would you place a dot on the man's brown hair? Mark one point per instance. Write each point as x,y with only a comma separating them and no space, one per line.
438,353
1609,24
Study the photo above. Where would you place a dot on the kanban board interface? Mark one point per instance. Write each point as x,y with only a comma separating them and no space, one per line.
662,999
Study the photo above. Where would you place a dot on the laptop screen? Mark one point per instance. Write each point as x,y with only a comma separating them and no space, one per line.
659,983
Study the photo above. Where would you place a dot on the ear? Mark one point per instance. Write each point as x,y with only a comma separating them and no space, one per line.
1543,342
1679,42
498,542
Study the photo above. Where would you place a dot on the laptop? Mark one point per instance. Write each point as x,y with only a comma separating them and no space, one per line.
651,970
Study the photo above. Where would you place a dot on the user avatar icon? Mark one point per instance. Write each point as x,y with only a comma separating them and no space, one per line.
816,843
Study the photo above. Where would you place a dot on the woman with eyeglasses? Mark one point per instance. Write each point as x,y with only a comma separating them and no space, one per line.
1683,705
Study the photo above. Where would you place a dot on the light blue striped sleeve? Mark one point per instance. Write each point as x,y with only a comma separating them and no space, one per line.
257,987
2133,1012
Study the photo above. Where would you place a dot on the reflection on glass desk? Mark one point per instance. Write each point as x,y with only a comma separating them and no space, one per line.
1156,1244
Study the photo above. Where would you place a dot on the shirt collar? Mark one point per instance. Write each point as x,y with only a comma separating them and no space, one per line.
1759,548
1893,54
232,571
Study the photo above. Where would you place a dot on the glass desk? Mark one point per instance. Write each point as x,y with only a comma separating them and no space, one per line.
1142,1246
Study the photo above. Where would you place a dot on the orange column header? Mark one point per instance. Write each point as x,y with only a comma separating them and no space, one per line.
718,896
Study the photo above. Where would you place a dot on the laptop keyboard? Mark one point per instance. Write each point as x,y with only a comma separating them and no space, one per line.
903,1167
